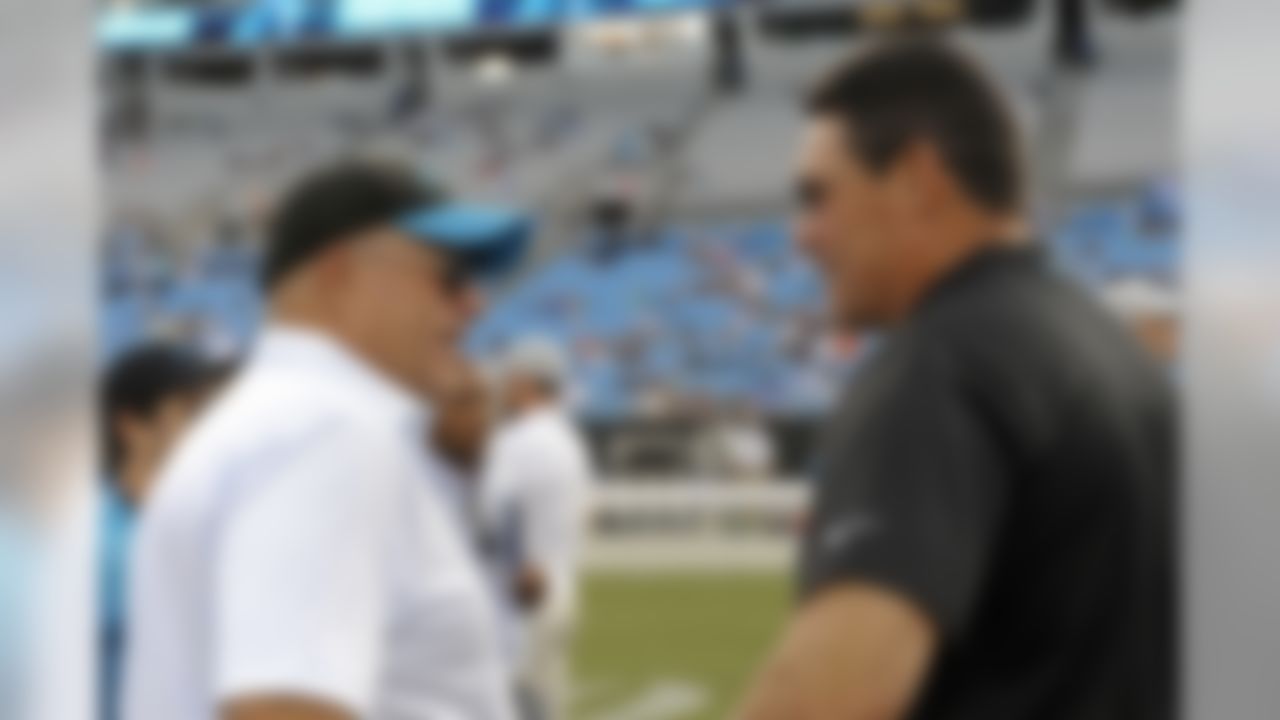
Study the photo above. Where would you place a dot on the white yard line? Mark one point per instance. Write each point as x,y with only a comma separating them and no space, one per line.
586,693
661,700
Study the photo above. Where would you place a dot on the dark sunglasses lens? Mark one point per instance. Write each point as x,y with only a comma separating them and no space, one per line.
809,194
456,278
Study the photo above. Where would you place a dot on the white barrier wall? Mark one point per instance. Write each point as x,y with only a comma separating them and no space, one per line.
695,525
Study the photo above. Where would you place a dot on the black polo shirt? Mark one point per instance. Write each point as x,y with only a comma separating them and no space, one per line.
1006,462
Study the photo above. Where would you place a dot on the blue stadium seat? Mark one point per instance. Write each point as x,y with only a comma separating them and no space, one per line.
710,309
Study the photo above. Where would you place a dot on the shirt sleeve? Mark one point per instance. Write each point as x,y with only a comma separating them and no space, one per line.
912,491
300,601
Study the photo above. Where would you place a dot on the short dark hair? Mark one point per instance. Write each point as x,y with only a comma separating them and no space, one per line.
910,89
142,379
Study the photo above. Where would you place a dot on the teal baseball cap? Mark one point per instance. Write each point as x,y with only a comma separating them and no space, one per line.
340,200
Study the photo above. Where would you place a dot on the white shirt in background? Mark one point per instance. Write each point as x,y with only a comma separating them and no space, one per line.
299,544
536,496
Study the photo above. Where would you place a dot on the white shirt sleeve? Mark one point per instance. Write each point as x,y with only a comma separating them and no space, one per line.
301,592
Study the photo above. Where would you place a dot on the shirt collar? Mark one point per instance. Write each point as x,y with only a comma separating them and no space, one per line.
993,258
313,350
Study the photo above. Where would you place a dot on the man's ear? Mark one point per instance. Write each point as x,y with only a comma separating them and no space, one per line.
918,182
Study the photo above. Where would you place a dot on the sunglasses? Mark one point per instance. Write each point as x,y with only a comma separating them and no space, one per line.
454,276
809,193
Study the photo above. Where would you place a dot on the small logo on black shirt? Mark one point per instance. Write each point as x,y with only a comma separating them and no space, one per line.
842,532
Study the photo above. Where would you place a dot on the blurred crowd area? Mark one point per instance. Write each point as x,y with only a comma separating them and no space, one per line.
654,154
686,320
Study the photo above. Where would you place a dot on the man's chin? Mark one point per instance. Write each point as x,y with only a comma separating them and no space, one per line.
445,365
851,317
446,344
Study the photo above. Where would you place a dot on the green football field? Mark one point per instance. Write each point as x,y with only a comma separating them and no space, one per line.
672,646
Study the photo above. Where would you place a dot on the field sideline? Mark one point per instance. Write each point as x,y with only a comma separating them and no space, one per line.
672,646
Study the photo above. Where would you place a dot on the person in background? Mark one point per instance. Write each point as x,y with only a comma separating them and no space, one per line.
1073,43
739,447
537,484
149,397
300,557
1151,310
994,522
463,420
460,434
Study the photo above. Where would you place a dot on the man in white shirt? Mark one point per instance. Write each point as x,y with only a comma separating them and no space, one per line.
298,559
537,486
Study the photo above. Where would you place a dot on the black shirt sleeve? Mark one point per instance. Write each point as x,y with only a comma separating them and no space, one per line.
911,487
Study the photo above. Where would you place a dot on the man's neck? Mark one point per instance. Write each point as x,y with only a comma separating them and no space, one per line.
133,479
290,315
352,343
530,407
976,235
1009,232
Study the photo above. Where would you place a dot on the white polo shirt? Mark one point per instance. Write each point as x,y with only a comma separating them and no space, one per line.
299,543
536,496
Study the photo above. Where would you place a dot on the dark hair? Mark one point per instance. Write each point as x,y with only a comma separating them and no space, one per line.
144,378
906,90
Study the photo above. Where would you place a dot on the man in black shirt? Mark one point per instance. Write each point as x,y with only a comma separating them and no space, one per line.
992,537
